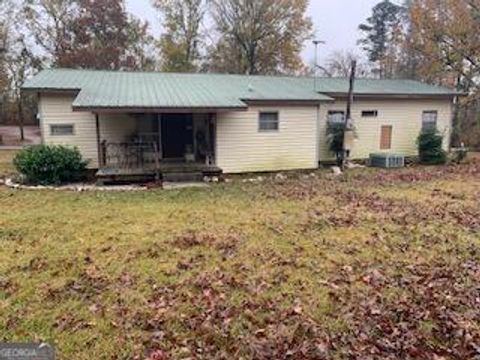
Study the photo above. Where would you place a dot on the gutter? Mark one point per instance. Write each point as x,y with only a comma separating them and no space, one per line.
396,96
139,109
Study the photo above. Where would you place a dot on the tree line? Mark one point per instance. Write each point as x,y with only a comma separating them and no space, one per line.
233,36
435,41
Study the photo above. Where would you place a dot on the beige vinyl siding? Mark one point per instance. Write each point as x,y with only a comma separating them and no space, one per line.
241,147
404,115
57,109
116,127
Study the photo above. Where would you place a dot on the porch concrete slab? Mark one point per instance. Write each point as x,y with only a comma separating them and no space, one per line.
183,185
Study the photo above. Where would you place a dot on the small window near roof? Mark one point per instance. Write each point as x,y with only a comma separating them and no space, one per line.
268,121
61,129
370,113
429,121
335,117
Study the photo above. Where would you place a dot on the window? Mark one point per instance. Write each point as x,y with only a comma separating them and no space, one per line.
370,113
386,137
429,121
61,129
268,121
335,117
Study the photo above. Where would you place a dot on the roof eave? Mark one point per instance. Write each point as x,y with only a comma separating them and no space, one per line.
156,109
288,101
394,96
50,90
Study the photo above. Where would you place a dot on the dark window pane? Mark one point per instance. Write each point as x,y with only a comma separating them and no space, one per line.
268,121
61,129
429,120
370,113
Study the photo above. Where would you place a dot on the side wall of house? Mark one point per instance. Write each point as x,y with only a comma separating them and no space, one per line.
241,147
57,109
299,143
404,115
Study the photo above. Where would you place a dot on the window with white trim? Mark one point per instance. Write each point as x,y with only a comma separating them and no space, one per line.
335,117
61,129
429,120
268,121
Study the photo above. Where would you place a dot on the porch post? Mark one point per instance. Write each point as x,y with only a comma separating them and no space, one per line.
160,146
99,145
213,136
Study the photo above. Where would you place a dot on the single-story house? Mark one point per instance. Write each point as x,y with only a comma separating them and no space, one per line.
235,123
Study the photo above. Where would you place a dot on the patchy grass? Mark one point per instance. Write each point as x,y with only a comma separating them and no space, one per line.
6,166
377,265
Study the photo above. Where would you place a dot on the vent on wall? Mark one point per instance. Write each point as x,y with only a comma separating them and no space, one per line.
370,113
387,160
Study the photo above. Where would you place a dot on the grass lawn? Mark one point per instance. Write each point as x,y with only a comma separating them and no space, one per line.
6,166
373,265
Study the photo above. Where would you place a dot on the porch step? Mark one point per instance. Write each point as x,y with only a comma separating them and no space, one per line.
182,176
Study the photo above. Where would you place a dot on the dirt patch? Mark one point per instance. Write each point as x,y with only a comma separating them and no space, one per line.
227,244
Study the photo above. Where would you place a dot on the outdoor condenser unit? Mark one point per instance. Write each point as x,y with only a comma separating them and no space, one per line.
387,160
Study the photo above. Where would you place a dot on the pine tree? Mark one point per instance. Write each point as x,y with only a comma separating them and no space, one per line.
383,34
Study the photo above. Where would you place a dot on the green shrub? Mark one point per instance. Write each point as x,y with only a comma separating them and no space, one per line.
430,148
50,164
335,134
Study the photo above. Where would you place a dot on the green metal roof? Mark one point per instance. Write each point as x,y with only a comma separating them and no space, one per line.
121,89
382,87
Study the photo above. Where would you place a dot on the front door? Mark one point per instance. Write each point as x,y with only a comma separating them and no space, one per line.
177,135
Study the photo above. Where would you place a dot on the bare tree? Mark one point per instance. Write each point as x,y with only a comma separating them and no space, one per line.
260,36
180,43
20,64
49,22
339,64
17,61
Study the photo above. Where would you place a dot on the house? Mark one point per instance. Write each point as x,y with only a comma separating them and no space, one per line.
231,123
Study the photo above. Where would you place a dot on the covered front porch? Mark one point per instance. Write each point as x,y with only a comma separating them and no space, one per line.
156,147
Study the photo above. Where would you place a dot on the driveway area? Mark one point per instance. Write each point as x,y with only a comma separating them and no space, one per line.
10,136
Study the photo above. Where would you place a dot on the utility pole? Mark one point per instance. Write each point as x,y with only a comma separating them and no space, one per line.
348,132
350,91
315,66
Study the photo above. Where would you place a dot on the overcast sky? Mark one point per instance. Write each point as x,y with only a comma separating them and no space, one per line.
335,21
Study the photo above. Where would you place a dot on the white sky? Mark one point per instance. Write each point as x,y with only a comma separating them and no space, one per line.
335,21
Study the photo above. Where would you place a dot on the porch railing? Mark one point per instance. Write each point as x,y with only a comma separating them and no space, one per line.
131,156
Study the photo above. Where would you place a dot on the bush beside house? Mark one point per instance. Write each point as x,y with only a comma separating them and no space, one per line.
50,164
335,134
430,148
